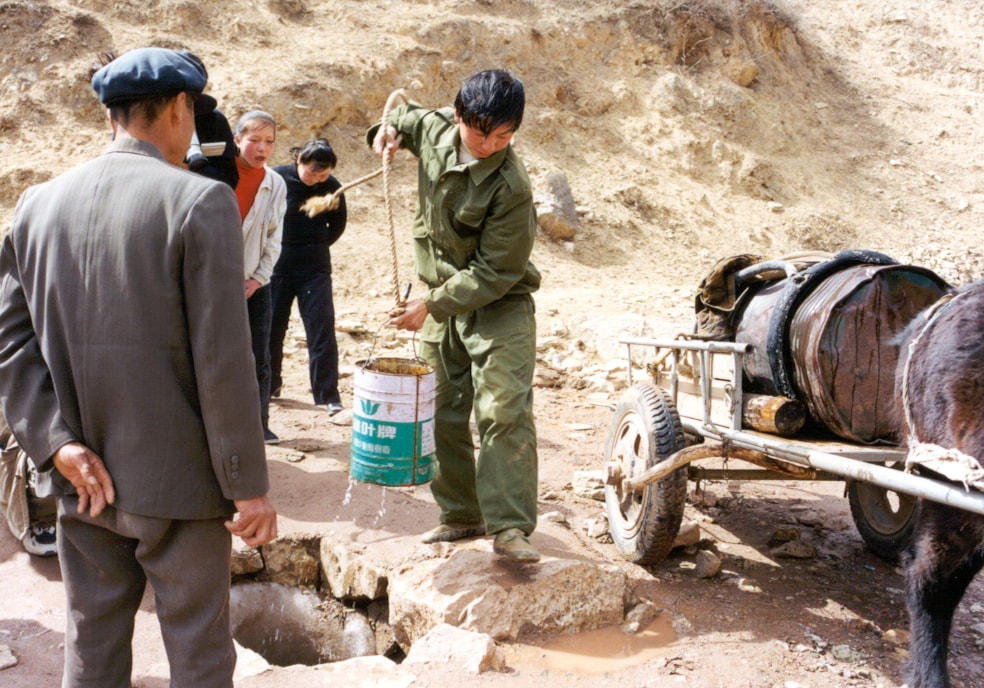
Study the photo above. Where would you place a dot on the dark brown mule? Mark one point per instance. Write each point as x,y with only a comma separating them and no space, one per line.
940,380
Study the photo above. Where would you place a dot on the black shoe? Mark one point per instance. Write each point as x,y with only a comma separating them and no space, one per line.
275,393
269,437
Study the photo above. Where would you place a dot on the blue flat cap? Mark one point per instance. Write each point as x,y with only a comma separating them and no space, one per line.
149,72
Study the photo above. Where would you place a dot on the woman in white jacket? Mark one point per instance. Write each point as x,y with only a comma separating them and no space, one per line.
262,197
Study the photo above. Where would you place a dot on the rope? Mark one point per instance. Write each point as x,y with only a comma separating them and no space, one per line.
400,299
320,204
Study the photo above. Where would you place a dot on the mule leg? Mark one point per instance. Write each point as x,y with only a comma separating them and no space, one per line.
942,560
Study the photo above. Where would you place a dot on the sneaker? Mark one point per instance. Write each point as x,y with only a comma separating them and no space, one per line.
40,541
269,437
333,407
341,418
513,544
449,532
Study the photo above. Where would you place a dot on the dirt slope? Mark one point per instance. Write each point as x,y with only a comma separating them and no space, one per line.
688,131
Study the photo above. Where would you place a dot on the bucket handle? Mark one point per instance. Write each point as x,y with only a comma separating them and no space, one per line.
375,338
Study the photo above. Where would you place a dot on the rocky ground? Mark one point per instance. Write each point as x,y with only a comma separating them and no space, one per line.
687,132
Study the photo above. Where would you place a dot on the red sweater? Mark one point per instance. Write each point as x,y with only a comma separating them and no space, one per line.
250,179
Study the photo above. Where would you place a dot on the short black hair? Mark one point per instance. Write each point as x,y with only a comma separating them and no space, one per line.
489,99
316,152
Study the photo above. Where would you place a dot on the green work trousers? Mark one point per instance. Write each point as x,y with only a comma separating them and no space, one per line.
484,361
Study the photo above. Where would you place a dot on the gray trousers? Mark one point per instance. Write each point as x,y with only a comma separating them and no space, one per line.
106,563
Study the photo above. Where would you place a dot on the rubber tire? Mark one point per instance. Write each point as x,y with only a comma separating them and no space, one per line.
645,430
885,531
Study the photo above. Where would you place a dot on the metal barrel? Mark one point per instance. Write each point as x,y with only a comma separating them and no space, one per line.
840,344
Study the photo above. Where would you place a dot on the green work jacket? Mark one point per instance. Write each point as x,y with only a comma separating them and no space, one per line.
475,223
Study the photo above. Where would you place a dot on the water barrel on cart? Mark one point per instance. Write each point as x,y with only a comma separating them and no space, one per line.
831,342
393,422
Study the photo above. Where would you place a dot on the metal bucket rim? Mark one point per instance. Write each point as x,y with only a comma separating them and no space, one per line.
365,364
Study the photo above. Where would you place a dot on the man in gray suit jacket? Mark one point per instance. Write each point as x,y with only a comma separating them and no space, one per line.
126,373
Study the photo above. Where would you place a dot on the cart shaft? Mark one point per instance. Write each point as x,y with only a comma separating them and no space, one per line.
800,454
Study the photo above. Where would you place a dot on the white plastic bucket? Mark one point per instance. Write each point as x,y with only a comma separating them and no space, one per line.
393,422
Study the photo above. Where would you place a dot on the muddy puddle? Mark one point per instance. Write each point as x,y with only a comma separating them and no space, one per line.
594,652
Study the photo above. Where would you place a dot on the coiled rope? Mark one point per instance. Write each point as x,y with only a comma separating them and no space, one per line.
320,204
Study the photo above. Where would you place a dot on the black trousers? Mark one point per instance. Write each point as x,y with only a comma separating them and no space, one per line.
311,286
259,307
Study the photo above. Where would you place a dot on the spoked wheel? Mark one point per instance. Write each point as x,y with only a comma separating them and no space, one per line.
884,518
645,430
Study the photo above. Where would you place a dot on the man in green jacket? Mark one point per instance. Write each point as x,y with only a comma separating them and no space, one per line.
473,235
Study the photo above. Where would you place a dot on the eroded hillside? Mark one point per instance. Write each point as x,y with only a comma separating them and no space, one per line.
687,130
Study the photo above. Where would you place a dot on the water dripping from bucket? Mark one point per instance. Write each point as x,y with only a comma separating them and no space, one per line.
348,491
382,509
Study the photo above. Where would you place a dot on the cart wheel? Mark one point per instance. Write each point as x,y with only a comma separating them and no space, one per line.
884,518
645,430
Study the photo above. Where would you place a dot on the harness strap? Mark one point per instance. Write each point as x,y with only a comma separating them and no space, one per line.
952,463
932,313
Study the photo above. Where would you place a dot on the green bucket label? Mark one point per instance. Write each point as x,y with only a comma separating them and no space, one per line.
386,438
392,433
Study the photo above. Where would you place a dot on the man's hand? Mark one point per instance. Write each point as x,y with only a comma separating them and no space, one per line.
251,286
386,141
87,472
410,316
257,521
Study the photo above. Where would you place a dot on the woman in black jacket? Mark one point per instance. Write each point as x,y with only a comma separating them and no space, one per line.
303,270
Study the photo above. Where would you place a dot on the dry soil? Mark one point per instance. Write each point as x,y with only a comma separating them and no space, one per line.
688,131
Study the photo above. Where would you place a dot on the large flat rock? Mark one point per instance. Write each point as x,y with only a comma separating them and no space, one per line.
477,590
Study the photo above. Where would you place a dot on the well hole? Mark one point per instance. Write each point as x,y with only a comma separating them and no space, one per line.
287,626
